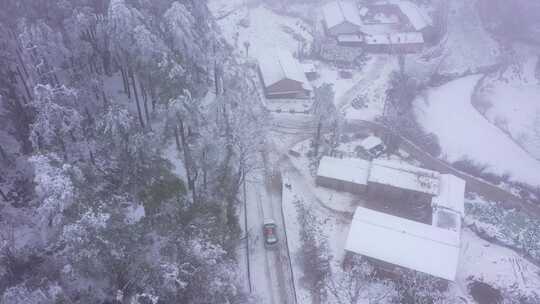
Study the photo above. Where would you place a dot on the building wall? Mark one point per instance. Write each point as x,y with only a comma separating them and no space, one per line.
387,192
396,48
340,185
287,88
343,29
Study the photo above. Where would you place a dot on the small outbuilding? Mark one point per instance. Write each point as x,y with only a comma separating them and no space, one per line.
343,174
373,145
283,76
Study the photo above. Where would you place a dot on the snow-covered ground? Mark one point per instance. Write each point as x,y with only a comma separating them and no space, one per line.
259,26
330,74
463,132
511,99
495,265
467,45
370,88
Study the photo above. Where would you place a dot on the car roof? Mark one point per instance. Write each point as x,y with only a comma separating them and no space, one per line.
268,221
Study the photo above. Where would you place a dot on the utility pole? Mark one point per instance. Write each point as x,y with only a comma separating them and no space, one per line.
247,234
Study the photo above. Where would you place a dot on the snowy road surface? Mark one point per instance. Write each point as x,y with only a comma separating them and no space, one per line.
270,267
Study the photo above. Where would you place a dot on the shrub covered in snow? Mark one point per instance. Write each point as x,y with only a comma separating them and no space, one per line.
511,228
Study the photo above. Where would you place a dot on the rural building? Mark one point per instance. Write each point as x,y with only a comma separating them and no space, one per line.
410,42
418,19
394,242
283,76
397,26
396,181
341,18
373,145
347,174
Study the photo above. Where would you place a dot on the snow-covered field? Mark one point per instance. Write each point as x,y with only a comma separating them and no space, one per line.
463,132
511,99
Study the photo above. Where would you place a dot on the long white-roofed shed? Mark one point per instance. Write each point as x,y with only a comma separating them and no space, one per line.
347,174
405,243
283,76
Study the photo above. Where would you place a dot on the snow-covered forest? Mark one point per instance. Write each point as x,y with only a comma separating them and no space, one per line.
126,129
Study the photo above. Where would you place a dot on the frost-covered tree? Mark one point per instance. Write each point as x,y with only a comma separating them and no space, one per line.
91,92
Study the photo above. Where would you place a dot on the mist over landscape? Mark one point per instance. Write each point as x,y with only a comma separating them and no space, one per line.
270,151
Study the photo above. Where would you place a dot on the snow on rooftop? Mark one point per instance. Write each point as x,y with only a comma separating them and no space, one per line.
404,176
338,12
363,11
277,64
308,67
349,38
416,16
395,38
405,243
346,169
451,194
371,142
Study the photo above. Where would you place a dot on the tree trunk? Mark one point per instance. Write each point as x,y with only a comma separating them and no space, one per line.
3,154
22,122
177,139
216,78
126,82
19,56
139,112
24,83
4,197
188,161
318,138
105,100
145,103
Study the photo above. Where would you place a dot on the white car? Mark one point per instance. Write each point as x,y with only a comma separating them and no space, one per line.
269,232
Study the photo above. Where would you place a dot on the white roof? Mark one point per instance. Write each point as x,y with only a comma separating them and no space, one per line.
371,142
363,11
338,12
309,67
404,176
451,194
349,38
395,38
416,16
352,170
277,64
405,243
267,221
